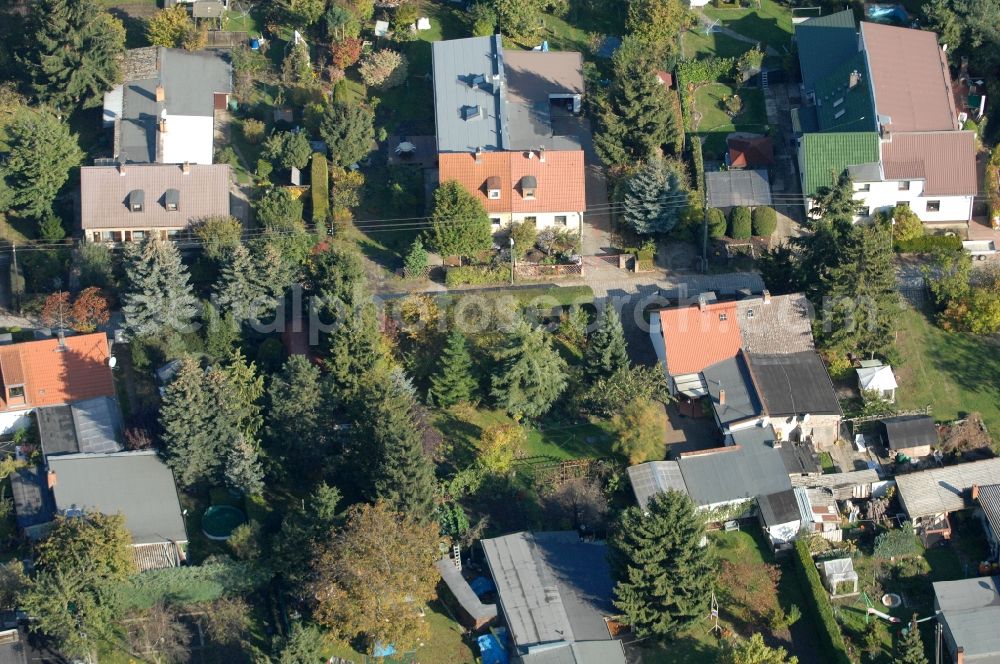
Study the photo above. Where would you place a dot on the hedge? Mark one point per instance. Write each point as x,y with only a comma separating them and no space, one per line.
739,223
477,275
320,176
927,243
184,586
707,70
716,219
765,221
820,609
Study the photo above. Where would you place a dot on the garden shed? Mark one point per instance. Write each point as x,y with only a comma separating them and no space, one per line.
748,188
837,572
873,375
912,436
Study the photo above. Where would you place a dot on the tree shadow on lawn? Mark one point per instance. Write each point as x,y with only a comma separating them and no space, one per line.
762,28
971,362
135,27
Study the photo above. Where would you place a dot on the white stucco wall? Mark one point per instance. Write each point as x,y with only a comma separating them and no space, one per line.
542,220
188,138
883,196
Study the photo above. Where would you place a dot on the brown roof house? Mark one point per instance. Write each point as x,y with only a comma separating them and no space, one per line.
750,150
885,114
508,129
129,201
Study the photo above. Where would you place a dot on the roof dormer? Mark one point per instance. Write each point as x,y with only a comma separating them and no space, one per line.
493,187
529,185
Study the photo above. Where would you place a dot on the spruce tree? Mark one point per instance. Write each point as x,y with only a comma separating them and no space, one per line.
221,333
663,575
606,351
187,418
158,298
42,154
454,381
911,648
530,375
415,262
459,223
235,291
355,345
636,120
295,435
76,48
656,197
835,202
243,471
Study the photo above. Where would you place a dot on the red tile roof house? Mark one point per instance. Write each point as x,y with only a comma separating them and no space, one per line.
507,129
52,372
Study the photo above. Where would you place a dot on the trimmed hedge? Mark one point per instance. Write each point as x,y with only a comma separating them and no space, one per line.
925,244
320,179
716,219
820,610
477,275
765,221
740,225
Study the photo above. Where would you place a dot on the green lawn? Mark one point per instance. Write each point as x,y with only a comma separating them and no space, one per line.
698,45
715,124
955,373
826,463
771,24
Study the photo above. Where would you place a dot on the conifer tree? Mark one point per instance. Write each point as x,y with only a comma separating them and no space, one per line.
656,197
911,648
606,351
187,417
42,153
636,120
235,290
454,382
296,439
663,575
243,471
221,332
415,262
76,47
159,298
355,345
530,376
459,223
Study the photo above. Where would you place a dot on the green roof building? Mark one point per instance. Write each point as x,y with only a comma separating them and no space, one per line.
824,43
844,99
824,156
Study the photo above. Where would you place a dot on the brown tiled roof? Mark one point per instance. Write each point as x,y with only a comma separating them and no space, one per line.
697,337
945,159
781,325
54,373
910,78
560,179
750,152
104,193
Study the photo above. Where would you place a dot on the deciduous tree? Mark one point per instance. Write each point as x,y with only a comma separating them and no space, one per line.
278,210
499,447
639,431
764,221
170,27
662,572
657,22
656,197
459,223
383,69
89,310
345,53
372,576
740,223
755,651
219,234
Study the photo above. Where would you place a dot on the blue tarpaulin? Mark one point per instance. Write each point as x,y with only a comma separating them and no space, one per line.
384,650
491,651
481,585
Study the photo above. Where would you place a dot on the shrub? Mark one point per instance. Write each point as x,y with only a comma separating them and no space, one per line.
525,235
897,543
733,105
320,178
819,607
476,275
345,53
383,69
765,220
906,225
740,225
926,244
253,131
264,168
716,223
183,586
705,71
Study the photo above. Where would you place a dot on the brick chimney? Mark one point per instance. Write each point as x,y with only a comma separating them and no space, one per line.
766,296
161,94
541,154
479,155
960,655
975,492
722,397
186,168
121,168
52,479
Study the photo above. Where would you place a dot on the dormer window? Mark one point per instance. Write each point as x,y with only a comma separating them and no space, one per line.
172,200
136,199
528,186
493,188
472,112
15,394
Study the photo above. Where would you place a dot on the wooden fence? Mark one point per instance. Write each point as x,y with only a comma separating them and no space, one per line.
541,271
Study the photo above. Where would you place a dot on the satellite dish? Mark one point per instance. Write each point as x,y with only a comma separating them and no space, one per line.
112,361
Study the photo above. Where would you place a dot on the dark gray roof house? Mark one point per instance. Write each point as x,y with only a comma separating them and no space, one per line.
555,592
969,612
794,383
748,188
90,427
778,508
731,390
909,432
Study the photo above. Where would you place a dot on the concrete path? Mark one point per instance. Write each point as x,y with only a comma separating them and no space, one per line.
596,232
779,98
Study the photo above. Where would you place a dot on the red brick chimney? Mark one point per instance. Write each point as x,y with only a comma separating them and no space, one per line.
975,492
52,479
722,397
960,655
161,94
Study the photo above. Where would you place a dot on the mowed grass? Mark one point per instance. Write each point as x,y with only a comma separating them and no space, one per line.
771,24
715,123
699,46
955,373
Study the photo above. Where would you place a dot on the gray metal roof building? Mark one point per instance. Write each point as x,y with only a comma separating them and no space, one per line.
749,188
555,590
969,614
137,484
942,490
794,383
989,502
90,427
731,390
653,477
479,613
33,502
908,431
778,508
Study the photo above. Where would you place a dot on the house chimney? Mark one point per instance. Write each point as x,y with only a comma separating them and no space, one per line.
541,154
479,155
163,126
854,78
161,94
766,296
722,397
960,655
52,479
186,168
121,168
975,492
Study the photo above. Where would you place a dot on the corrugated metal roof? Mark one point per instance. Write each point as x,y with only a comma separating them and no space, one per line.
827,155
989,501
203,192
970,613
653,477
945,159
823,43
748,187
910,78
942,490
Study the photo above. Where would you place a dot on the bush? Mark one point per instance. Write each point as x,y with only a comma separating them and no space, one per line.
906,225
476,275
320,190
525,235
926,244
897,543
740,225
184,586
716,223
705,71
383,69
831,639
765,220
253,131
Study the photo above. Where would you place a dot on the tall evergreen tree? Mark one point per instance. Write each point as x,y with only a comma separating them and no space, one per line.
454,381
663,575
349,131
243,471
42,153
302,529
656,197
459,223
296,438
159,299
531,375
911,648
236,293
355,345
186,417
836,203
636,120
76,48
606,351
387,447
863,300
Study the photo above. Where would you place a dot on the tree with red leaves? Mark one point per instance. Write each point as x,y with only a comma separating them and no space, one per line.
345,53
90,309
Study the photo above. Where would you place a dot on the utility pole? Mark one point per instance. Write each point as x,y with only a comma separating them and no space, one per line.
513,264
